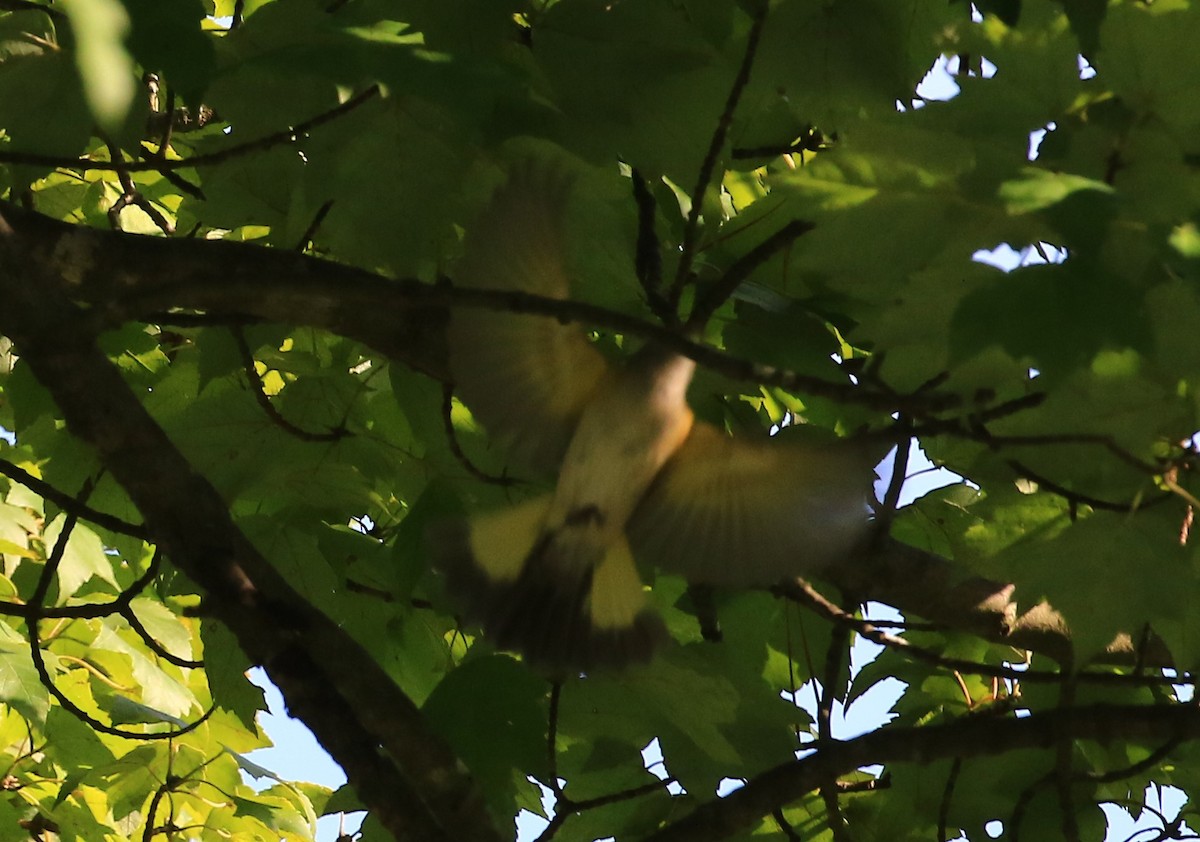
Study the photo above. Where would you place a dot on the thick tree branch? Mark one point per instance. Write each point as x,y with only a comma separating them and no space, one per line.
127,277
965,737
414,785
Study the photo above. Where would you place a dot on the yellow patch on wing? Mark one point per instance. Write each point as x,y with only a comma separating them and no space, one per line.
500,541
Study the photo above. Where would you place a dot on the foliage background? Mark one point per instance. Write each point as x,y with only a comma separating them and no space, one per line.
311,436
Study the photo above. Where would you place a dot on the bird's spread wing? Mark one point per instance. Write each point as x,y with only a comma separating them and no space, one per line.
730,511
526,378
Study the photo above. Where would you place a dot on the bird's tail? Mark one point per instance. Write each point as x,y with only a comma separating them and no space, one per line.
564,604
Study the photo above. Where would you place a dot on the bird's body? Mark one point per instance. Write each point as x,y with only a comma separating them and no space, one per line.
626,434
638,475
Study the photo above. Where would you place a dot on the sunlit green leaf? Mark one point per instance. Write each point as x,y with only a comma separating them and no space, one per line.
100,27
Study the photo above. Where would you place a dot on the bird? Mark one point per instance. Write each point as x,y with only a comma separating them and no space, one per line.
640,479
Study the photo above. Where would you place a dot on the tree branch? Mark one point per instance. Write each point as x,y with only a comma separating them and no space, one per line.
968,736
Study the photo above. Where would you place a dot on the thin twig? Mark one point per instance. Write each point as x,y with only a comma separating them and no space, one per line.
153,645
206,160
1064,773
967,736
1021,805
691,230
159,156
38,597
1085,499
1009,407
311,231
87,611
623,795
70,504
891,498
785,826
947,797
1144,765
801,591
79,713
742,268
839,646
456,447
260,396
566,806
566,310
162,791
648,251
130,195
1098,439
50,568
310,278
168,125
552,738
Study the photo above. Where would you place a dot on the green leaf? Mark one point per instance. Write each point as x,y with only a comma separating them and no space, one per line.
169,39
225,666
20,685
1038,190
343,800
43,106
83,558
1056,317
1141,553
109,80
514,720
159,689
838,62
1131,38
603,80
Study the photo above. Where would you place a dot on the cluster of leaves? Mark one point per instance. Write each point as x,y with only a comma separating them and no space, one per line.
368,133
108,722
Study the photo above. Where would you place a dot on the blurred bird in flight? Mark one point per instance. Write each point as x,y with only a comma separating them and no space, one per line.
639,477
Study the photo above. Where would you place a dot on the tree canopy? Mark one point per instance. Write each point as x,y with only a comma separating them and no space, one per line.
227,259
